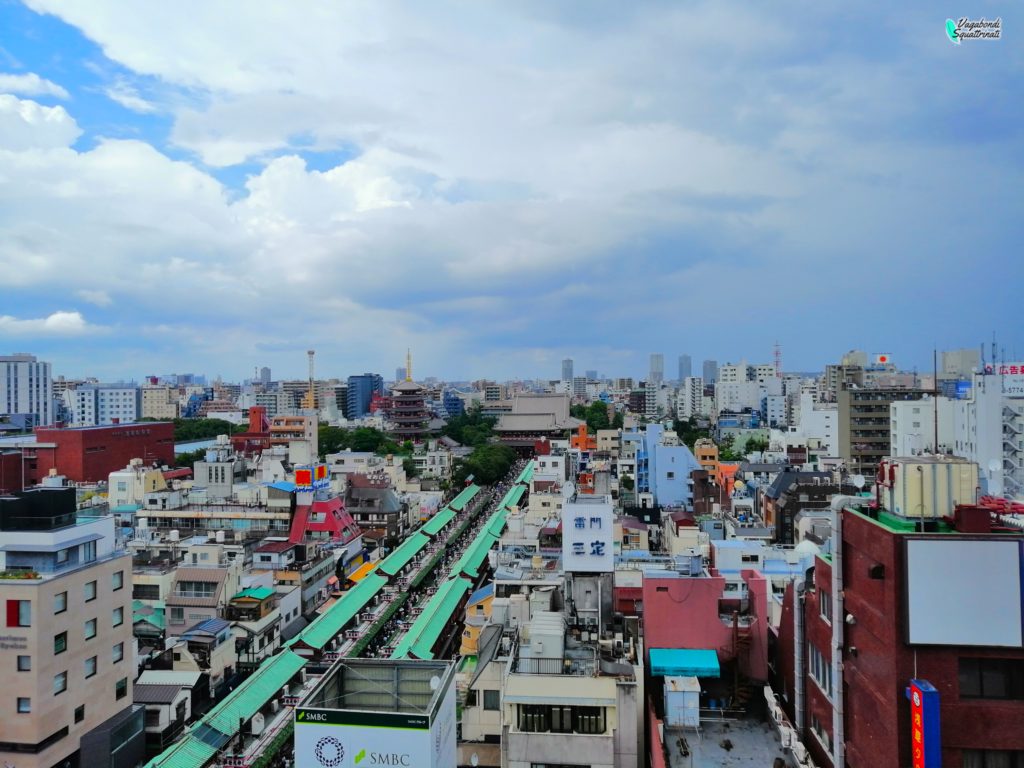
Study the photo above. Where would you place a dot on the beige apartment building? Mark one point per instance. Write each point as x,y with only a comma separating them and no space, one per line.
66,665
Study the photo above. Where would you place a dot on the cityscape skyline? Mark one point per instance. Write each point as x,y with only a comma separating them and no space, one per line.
360,201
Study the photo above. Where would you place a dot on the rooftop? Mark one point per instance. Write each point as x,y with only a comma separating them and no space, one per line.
723,744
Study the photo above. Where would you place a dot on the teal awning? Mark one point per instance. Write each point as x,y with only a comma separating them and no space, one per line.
686,662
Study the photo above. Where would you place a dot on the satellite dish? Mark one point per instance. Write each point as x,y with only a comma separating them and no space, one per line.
739,485
994,465
474,760
435,683
858,481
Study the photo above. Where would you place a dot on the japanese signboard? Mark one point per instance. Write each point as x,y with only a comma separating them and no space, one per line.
311,478
925,743
588,543
1012,375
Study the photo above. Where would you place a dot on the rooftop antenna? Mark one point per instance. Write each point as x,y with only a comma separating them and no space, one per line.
408,364
935,398
311,394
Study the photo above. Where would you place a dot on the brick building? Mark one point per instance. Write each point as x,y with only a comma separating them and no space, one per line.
967,643
90,454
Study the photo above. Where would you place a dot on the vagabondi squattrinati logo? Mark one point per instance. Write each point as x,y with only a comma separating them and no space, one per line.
973,29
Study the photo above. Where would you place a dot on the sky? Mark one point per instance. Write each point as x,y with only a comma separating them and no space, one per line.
211,186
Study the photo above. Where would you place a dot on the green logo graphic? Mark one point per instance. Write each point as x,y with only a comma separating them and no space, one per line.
302,715
360,756
951,32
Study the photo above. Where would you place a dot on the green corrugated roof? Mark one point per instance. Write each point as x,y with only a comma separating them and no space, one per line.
331,622
247,699
190,752
401,557
459,502
513,496
437,614
434,525
497,523
256,593
526,475
474,555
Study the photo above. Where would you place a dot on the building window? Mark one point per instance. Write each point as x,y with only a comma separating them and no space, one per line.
534,718
991,678
819,730
80,713
819,668
993,758
19,613
24,663
118,580
60,643
145,592
60,602
117,652
492,700
90,629
90,667
90,591
118,617
24,705
825,605
62,556
60,683
121,689
89,552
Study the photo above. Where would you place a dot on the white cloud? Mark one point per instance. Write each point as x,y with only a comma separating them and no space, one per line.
56,324
30,84
651,156
94,296
128,97
25,124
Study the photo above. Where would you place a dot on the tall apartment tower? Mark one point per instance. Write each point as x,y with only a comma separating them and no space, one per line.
67,671
710,371
26,389
265,376
567,369
657,372
360,391
685,368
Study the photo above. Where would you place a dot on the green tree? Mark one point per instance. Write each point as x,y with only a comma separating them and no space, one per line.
470,428
688,431
332,439
756,445
487,463
727,451
626,483
190,458
203,429
409,465
597,416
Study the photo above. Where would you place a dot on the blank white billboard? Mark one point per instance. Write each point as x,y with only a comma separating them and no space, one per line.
964,592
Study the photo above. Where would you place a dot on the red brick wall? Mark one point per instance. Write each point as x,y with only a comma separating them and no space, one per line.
10,472
880,717
90,455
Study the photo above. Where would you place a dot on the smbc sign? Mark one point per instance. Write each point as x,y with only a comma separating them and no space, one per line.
345,739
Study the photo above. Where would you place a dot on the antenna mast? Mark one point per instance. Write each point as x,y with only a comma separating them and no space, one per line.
408,364
311,394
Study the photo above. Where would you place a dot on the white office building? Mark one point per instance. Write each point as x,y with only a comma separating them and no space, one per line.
25,388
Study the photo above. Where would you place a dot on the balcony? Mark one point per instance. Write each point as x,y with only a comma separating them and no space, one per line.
565,665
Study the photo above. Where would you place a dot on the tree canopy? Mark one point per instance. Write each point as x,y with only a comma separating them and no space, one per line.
487,463
688,431
596,416
470,428
335,439
204,429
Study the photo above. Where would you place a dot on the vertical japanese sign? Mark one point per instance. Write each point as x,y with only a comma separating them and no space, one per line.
588,537
925,742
